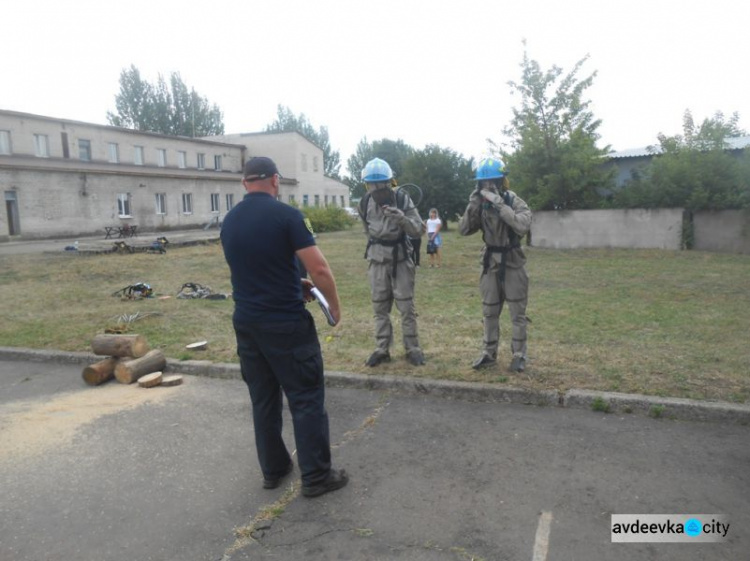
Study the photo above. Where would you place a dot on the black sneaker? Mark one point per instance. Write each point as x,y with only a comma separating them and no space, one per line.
482,361
378,357
274,482
336,480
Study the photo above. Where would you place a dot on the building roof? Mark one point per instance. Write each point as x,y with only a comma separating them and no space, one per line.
733,143
21,115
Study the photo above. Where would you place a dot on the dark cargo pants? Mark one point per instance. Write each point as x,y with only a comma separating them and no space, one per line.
285,356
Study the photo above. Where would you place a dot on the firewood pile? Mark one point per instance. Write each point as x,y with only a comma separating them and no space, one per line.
129,359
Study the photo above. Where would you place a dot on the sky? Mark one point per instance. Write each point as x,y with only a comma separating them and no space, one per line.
423,72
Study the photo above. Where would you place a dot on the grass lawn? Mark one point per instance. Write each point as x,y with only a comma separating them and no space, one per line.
657,322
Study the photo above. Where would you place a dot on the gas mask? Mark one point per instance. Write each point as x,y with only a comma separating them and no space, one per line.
383,195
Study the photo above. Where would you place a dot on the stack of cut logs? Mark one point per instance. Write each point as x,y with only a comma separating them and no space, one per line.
128,360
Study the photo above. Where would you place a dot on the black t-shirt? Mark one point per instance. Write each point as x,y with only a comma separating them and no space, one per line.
260,237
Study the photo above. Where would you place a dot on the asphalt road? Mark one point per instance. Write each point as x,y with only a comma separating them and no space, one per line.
122,473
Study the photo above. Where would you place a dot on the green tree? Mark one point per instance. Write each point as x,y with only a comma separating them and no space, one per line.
445,178
555,163
395,152
287,121
693,170
166,108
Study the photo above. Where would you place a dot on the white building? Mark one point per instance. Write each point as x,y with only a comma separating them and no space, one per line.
298,158
64,178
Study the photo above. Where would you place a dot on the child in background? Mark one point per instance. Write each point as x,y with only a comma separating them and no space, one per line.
434,224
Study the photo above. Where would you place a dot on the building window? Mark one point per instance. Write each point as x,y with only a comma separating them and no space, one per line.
315,163
342,201
305,200
317,200
303,162
325,200
114,153
230,201
187,203
41,146
217,163
161,157
215,202
291,199
84,149
161,203
5,143
201,161
123,205
182,160
138,156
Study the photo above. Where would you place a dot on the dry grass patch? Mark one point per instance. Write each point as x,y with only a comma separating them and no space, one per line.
646,321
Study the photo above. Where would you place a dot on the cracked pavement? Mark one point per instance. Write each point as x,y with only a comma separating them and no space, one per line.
170,474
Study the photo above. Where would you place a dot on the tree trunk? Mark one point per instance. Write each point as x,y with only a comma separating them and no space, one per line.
100,372
120,345
128,371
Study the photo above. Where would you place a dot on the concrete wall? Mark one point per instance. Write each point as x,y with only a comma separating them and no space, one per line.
722,230
635,228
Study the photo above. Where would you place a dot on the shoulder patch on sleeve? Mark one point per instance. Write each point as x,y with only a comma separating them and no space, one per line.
309,225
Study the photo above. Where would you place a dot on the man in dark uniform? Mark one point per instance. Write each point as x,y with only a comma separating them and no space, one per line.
276,337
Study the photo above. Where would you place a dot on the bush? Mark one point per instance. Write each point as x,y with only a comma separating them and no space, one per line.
327,219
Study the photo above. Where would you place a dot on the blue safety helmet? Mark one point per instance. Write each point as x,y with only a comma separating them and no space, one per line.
377,170
490,168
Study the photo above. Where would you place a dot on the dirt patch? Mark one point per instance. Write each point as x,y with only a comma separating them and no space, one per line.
30,427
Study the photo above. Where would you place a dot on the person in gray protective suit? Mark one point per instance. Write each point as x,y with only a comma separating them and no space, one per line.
390,218
504,219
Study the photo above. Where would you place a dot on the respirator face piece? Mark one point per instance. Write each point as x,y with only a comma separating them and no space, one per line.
383,196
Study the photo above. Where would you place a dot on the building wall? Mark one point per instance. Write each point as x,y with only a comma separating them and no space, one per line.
299,160
635,228
625,167
59,194
61,203
23,127
722,230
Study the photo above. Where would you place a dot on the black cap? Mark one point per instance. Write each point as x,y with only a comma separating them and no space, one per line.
259,168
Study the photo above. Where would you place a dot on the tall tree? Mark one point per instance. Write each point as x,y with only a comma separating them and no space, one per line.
555,163
287,121
168,108
445,178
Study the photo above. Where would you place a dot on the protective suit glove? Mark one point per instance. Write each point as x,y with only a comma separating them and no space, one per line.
492,197
393,212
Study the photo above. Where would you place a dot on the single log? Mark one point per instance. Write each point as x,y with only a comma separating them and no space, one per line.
150,380
128,371
120,345
100,372
174,380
